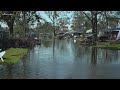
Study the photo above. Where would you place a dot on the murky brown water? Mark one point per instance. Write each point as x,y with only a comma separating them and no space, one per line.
67,60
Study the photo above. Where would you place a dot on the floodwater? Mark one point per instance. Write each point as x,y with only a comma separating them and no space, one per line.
64,59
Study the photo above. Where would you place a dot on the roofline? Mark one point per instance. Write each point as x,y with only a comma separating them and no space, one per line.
115,29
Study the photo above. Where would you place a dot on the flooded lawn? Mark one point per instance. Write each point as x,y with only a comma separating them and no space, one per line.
64,59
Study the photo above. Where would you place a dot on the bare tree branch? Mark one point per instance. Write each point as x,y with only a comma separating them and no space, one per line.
86,15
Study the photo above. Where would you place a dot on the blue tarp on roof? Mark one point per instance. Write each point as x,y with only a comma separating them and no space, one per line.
115,29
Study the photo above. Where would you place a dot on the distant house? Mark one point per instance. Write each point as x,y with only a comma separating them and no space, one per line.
115,34
76,33
34,35
102,34
61,32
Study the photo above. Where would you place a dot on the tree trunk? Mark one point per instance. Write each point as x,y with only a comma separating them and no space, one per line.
11,29
107,23
106,19
24,21
10,25
54,22
94,29
93,32
54,28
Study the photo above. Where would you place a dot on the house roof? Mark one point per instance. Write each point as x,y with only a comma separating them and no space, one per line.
78,31
89,31
106,30
115,29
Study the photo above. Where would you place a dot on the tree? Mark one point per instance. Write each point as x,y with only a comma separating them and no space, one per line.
53,15
63,23
78,20
27,19
45,27
94,20
110,18
18,29
9,18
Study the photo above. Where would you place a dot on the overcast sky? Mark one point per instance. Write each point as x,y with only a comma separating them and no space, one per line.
43,15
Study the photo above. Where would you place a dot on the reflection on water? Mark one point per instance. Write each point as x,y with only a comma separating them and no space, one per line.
94,55
64,59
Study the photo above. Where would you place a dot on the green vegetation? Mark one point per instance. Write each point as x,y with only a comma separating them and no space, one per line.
12,55
108,45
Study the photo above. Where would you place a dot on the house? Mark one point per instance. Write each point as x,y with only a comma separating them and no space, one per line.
76,33
34,34
102,34
115,34
89,34
61,32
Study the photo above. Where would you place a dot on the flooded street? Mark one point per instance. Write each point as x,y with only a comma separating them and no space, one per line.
64,59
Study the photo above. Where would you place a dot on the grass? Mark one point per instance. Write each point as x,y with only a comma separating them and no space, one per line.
108,45
12,55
